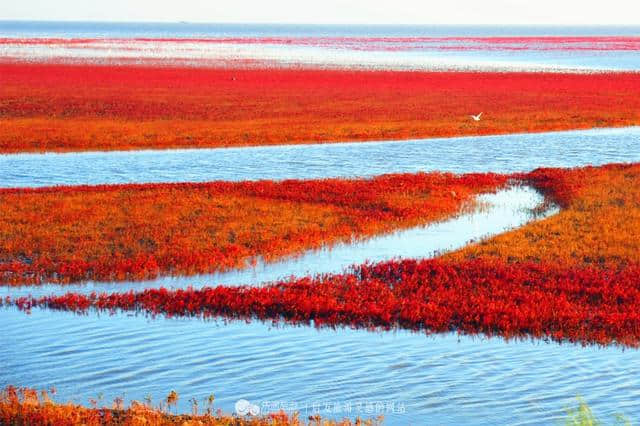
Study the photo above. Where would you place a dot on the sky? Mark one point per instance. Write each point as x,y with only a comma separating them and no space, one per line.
572,12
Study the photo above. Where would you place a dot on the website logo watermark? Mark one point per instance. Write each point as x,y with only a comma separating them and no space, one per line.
327,408
245,408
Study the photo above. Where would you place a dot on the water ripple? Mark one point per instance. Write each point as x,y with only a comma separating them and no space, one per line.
442,379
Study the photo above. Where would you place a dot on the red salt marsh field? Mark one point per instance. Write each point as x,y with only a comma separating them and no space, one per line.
568,278
49,107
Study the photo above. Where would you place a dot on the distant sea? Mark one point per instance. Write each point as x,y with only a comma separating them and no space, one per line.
428,47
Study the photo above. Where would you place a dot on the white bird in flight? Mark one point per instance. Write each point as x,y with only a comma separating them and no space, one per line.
476,117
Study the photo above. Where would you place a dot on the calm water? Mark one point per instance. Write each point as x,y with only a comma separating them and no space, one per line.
325,45
439,380
508,153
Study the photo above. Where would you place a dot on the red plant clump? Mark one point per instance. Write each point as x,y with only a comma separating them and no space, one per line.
565,186
139,231
53,107
550,301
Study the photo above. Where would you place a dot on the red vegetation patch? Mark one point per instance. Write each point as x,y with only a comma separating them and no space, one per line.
575,304
47,107
118,232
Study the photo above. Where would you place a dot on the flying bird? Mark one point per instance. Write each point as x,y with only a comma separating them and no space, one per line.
476,117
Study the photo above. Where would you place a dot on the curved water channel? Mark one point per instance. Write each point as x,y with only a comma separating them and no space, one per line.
409,377
495,213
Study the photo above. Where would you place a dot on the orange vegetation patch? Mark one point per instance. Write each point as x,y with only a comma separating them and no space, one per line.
598,225
27,407
571,277
49,107
118,232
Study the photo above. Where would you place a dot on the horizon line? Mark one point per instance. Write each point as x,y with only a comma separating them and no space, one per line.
188,22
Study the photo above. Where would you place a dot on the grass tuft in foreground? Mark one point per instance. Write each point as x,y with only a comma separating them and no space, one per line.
582,415
29,407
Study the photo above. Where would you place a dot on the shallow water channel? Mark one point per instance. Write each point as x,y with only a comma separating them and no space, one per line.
500,154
